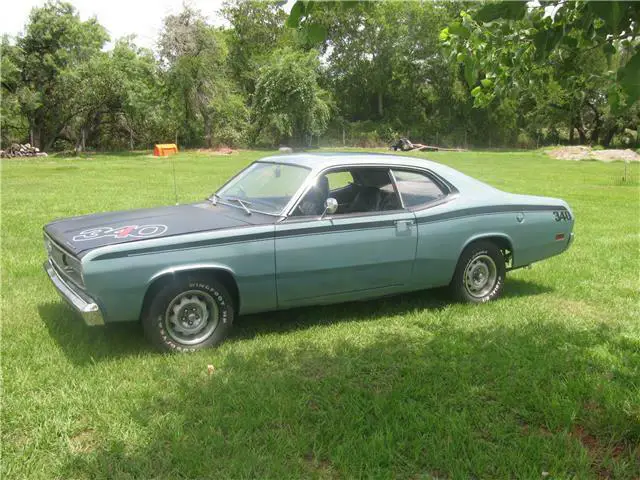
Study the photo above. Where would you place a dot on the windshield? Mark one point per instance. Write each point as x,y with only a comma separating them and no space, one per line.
264,187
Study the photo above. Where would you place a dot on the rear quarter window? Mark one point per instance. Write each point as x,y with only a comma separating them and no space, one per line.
416,188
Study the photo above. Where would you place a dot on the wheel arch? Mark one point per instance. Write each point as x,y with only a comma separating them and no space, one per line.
501,240
221,273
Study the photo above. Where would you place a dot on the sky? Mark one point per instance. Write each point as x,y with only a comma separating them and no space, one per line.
120,17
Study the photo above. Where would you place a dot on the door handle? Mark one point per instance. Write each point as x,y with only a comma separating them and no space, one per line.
404,225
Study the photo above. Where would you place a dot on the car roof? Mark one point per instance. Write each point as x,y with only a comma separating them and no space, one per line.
321,161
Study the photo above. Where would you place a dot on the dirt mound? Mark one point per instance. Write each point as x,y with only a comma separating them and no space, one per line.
613,155
587,153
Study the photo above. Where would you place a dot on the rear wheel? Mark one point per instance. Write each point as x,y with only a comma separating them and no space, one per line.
189,314
480,273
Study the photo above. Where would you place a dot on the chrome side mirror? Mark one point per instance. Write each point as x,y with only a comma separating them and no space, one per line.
330,207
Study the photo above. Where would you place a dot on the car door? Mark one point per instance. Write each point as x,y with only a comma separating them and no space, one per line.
343,256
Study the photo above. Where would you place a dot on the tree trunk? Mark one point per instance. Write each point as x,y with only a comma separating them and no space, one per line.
380,106
207,130
582,135
608,136
38,139
571,134
595,134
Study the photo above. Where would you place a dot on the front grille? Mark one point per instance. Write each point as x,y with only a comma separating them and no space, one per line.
66,264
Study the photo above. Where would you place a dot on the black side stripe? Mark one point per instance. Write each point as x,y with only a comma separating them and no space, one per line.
248,238
326,229
467,212
187,246
294,232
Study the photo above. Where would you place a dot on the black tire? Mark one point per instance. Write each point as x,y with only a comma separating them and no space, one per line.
195,299
476,261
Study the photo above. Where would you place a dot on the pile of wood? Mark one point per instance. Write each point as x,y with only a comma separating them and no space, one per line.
21,150
405,145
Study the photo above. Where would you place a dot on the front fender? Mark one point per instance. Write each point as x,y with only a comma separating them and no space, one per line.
188,268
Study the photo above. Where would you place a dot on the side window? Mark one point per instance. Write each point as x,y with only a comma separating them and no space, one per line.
339,180
356,189
416,188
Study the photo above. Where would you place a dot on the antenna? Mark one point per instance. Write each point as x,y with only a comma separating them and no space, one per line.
175,185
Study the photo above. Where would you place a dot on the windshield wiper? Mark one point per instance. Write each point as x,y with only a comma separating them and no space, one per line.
214,198
242,203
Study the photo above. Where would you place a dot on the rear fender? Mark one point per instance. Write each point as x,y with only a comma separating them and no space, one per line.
506,242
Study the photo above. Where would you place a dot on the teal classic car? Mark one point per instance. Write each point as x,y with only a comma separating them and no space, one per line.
301,229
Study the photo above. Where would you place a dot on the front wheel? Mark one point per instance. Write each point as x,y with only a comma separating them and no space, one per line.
189,314
480,273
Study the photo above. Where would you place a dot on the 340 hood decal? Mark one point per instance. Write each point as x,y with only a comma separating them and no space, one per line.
127,231
87,232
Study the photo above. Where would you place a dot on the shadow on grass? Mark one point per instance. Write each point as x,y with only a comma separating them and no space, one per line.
300,318
495,402
82,344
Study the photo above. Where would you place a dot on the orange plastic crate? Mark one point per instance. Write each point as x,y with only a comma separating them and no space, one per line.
164,149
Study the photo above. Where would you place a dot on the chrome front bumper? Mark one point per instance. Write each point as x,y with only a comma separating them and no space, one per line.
81,302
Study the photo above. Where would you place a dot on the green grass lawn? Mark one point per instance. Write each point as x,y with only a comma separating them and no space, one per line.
547,379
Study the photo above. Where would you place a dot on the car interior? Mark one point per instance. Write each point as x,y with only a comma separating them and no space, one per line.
368,190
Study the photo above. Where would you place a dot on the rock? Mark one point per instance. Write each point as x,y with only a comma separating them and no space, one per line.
285,150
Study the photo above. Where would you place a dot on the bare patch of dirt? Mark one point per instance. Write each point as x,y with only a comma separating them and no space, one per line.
222,150
613,155
320,468
599,452
83,442
587,153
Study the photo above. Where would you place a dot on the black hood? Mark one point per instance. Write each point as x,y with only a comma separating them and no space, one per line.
80,234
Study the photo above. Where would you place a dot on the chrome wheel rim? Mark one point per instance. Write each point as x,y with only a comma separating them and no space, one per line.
480,276
191,317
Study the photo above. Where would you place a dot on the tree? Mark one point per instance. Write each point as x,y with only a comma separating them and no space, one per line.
577,62
13,123
123,104
55,45
288,103
257,29
194,55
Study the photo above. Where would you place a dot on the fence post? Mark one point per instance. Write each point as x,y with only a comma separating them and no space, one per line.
626,163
